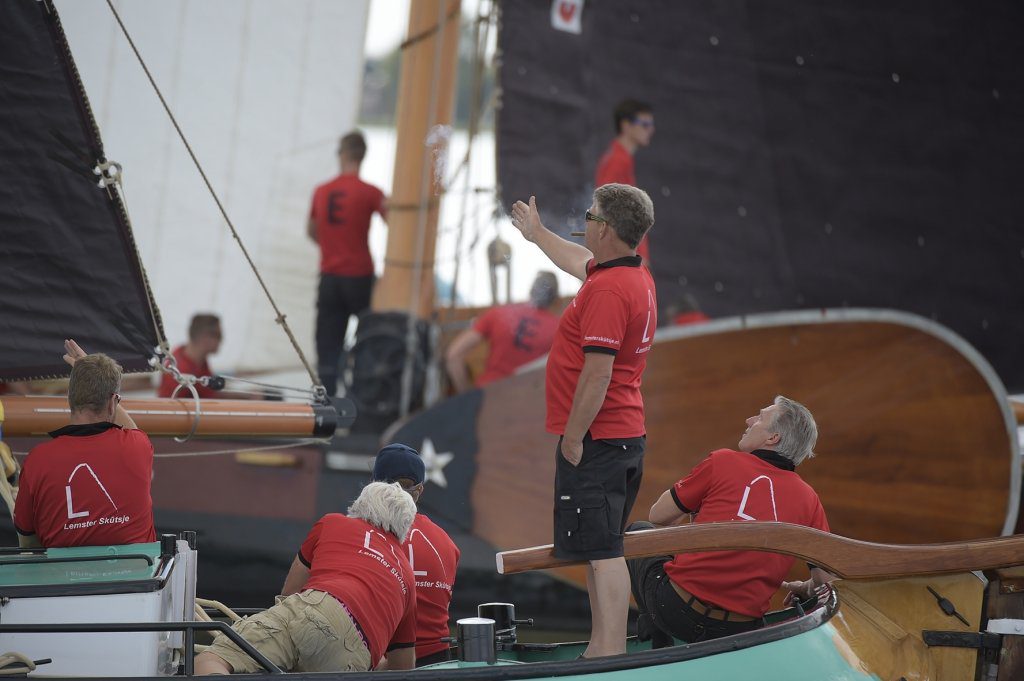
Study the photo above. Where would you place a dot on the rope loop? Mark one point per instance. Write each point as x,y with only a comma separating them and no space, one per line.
169,365
191,385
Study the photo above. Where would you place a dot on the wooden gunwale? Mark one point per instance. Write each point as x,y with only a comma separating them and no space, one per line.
844,557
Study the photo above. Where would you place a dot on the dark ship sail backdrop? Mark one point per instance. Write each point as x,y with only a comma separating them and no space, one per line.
68,267
807,154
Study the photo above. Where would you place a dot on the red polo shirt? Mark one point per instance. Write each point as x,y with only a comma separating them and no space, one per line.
89,486
616,312
186,366
366,569
617,166
518,334
434,558
731,485
342,209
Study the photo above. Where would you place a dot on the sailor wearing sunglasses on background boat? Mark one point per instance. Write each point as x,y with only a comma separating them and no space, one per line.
433,555
90,484
349,597
700,596
634,127
592,390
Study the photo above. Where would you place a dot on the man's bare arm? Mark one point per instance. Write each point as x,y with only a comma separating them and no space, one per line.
455,358
566,255
399,658
123,418
586,402
311,230
30,541
298,575
665,512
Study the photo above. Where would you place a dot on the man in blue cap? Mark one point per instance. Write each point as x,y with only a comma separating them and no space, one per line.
432,553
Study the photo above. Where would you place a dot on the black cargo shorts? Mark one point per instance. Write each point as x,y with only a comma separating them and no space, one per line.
593,500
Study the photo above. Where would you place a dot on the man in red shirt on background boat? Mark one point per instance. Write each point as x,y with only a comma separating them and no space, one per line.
517,333
339,222
634,127
204,337
349,598
433,555
700,596
90,485
593,396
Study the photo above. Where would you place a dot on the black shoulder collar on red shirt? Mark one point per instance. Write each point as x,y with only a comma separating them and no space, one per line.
624,261
775,459
82,429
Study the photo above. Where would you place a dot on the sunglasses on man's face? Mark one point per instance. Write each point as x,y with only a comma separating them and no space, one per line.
643,122
596,218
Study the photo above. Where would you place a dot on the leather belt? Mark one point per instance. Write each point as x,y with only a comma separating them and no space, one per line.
710,611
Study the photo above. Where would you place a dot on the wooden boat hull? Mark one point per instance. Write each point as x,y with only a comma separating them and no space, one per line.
917,442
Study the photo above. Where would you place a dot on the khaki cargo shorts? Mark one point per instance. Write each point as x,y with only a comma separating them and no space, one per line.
305,632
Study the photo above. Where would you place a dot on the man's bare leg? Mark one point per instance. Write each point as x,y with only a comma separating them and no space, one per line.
207,664
608,588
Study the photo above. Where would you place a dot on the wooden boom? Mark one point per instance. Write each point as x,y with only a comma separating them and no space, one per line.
847,558
36,416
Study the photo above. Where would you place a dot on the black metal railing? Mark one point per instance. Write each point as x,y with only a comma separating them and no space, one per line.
77,559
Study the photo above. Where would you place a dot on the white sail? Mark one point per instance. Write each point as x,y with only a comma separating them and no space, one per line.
262,90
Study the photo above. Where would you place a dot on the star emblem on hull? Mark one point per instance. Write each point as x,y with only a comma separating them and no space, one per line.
435,462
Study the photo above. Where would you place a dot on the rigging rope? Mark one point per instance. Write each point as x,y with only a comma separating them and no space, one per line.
280,317
481,31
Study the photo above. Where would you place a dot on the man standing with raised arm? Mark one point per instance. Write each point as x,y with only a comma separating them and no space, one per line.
593,394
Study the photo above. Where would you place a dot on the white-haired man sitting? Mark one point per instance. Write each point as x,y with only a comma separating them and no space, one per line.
349,597
699,596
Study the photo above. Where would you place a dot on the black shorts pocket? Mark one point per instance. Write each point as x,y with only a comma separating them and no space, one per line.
581,522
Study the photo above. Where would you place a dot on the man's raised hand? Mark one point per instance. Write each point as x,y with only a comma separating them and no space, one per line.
526,219
73,352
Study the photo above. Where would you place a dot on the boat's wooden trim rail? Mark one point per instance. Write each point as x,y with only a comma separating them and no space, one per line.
844,557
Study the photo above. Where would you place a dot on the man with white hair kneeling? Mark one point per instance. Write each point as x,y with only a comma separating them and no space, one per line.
349,597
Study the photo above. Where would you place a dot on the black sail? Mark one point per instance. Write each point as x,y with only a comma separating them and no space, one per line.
68,265
807,154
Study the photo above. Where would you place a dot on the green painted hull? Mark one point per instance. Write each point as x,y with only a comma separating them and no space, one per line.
793,648
808,649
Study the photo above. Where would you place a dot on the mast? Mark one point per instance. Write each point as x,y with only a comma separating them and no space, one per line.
425,103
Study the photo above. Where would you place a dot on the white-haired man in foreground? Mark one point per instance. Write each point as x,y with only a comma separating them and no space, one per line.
349,597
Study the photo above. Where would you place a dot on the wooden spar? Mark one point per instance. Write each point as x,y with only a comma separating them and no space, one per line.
847,558
425,101
37,416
